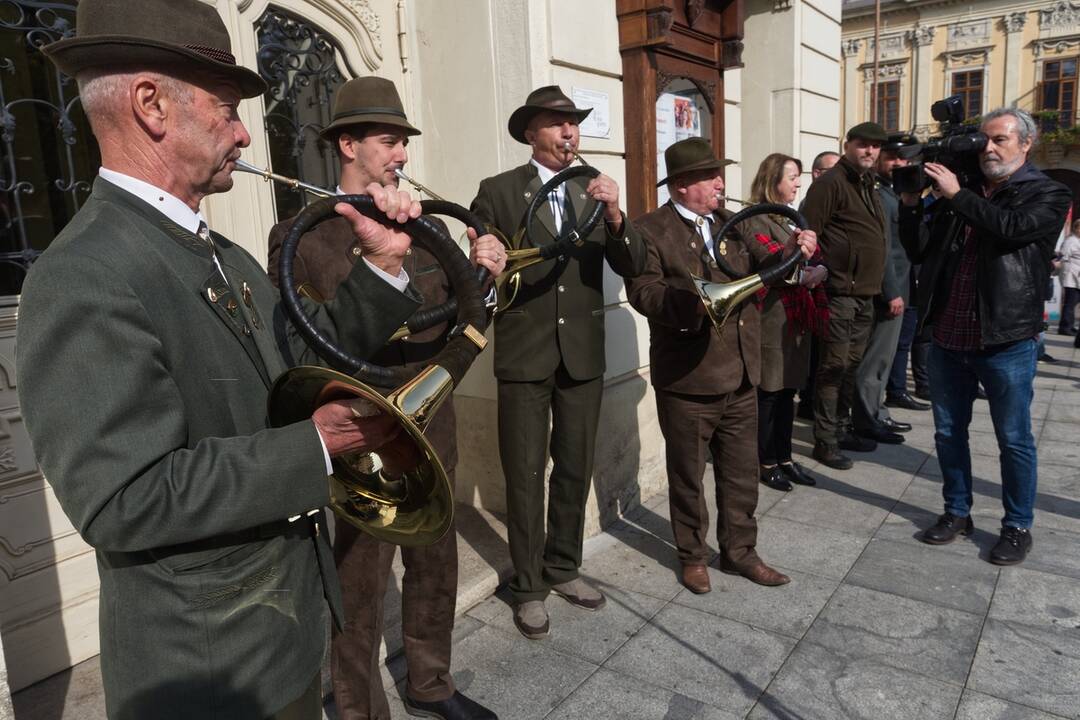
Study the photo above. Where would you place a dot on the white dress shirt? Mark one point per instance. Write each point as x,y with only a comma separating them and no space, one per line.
557,196
702,222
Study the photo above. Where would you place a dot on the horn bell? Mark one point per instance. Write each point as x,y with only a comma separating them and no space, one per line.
400,493
721,299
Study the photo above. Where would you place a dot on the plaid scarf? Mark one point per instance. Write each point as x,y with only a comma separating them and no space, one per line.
806,309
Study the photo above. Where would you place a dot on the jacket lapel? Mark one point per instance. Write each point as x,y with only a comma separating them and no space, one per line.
543,213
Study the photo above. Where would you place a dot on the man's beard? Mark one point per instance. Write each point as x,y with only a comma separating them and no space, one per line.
994,169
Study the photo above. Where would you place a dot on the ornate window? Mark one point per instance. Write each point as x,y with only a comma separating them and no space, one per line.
888,105
1057,91
968,84
299,62
48,156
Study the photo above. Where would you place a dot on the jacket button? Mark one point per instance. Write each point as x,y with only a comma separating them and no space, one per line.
741,323
561,258
562,288
357,252
562,321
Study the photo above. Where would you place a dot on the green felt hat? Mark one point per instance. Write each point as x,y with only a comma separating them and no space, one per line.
690,155
368,100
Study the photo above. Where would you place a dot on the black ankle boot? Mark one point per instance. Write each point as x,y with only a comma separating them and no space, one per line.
947,527
1012,547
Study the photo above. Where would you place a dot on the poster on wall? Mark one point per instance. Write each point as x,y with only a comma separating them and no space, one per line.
598,124
677,117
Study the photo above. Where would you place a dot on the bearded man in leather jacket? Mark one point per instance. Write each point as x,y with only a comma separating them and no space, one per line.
983,282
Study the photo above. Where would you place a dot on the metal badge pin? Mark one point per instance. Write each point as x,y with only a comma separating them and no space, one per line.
231,307
211,295
723,247
528,195
245,292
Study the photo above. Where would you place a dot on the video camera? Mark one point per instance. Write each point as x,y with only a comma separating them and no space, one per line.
957,148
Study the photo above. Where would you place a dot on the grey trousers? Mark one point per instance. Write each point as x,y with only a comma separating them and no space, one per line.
873,372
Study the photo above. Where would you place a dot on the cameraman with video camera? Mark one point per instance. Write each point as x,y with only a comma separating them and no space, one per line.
982,284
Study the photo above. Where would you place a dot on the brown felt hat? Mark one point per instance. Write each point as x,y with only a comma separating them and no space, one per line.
367,100
549,97
176,33
690,155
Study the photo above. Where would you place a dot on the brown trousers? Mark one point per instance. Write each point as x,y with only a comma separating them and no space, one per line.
840,352
726,427
428,599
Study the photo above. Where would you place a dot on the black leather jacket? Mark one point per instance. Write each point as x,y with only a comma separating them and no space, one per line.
1015,230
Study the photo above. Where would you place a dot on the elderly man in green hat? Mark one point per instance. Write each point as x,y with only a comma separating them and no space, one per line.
549,355
370,133
705,381
845,210
146,354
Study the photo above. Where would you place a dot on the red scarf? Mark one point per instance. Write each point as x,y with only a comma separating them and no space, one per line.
806,309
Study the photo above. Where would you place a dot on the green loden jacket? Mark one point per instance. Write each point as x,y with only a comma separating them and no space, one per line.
143,379
559,313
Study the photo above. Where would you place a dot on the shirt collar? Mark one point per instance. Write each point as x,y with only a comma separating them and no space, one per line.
690,214
168,205
545,173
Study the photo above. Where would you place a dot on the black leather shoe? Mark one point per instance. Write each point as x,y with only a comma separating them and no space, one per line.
455,707
773,478
855,443
898,427
906,402
830,455
879,434
947,527
1012,547
1047,358
923,393
794,473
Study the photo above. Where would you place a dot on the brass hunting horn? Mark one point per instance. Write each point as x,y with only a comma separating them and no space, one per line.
399,493
721,299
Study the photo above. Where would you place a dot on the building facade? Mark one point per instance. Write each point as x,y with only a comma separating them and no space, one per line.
991,53
654,71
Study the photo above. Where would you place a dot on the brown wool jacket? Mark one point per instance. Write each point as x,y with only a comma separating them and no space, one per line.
843,208
324,258
686,353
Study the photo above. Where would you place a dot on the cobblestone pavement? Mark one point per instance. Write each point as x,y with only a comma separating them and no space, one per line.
873,625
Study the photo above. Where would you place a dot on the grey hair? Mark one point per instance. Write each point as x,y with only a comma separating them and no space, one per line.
1026,128
103,91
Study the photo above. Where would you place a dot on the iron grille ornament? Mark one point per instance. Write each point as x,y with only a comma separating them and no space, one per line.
299,62
48,156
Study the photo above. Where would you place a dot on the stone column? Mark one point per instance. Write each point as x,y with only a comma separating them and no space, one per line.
850,50
1013,24
920,38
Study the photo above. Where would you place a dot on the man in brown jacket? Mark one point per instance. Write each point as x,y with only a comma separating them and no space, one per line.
370,132
705,379
843,207
549,356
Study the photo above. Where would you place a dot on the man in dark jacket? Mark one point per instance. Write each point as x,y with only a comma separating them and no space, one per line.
845,212
870,417
983,283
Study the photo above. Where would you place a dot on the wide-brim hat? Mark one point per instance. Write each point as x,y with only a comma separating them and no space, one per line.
690,155
549,97
171,33
365,100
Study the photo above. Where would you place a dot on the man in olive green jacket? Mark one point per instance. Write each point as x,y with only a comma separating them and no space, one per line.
549,356
146,355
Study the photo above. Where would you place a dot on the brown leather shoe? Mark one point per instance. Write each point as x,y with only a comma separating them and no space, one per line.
760,573
696,579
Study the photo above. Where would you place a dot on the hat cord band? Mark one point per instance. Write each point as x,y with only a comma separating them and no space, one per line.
368,111
213,53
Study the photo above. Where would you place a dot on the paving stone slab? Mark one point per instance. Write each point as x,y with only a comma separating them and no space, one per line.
857,514
711,659
867,625
1037,598
1036,666
788,609
818,684
919,571
898,457
592,636
609,695
821,551
976,706
515,677
1064,412
1060,431
1055,551
876,481
636,561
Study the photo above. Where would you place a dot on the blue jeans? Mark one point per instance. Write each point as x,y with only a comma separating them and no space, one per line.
1007,373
